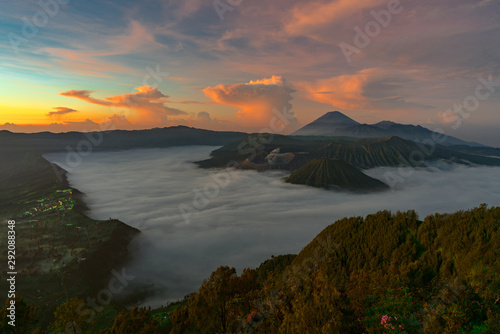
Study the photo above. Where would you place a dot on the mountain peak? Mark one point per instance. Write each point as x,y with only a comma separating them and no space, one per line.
384,124
327,123
338,118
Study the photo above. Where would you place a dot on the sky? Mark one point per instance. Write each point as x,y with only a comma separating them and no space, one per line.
234,64
193,220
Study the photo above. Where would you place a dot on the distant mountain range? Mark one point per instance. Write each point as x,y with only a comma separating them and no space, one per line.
332,136
332,124
337,124
44,142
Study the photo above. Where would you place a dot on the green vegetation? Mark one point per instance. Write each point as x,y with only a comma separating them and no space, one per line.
384,273
334,174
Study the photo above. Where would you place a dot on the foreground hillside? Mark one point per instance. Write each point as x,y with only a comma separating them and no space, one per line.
385,273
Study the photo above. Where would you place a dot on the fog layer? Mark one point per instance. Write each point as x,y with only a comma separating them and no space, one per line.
246,218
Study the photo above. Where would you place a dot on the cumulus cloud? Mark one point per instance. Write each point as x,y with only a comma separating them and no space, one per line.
258,101
61,111
120,122
254,216
203,118
148,102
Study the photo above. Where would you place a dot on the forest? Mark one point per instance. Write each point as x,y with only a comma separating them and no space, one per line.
383,273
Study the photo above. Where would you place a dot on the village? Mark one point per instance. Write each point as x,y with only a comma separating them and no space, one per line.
61,200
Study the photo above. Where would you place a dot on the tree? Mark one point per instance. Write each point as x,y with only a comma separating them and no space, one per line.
316,307
210,308
136,321
180,320
72,317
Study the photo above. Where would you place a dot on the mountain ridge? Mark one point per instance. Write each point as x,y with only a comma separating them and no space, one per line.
335,123
45,142
363,153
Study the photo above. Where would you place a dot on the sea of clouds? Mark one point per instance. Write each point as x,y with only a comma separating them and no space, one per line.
253,216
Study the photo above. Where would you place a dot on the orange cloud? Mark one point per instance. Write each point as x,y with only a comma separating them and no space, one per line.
61,111
85,95
257,100
344,92
375,89
148,102
119,122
